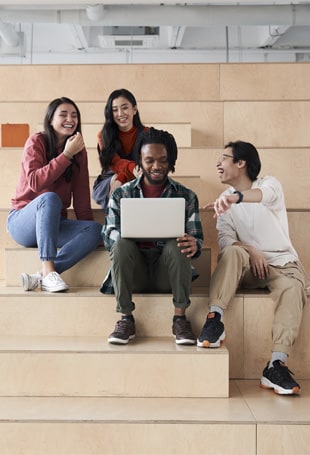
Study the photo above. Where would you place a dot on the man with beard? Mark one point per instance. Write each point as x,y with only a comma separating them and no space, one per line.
163,266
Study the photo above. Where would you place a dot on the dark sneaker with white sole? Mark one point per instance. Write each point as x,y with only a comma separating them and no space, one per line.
213,333
278,377
182,330
124,331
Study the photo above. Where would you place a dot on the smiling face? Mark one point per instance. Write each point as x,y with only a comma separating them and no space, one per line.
154,164
123,113
64,121
227,170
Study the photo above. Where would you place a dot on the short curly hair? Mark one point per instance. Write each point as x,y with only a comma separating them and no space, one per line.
154,136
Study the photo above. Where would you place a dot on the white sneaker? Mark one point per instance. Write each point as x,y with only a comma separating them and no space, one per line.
31,282
53,283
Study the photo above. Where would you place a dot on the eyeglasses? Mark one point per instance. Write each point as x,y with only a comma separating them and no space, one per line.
224,156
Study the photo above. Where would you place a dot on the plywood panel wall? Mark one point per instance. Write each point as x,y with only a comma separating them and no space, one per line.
267,104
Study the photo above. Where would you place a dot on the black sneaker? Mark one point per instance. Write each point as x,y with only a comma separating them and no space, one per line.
124,332
182,330
279,378
213,332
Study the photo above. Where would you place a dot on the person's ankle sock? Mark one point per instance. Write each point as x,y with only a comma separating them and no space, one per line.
175,317
217,309
128,317
282,356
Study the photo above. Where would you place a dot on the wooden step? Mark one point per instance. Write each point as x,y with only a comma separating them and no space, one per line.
88,272
298,225
251,421
85,312
10,167
6,242
147,367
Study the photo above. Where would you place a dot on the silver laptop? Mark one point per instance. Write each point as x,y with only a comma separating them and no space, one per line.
152,218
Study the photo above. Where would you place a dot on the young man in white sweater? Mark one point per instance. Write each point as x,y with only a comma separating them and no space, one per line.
255,252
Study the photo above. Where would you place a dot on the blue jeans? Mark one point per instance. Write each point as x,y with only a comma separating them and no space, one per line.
39,224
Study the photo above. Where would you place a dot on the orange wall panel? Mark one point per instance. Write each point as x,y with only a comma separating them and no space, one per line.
14,134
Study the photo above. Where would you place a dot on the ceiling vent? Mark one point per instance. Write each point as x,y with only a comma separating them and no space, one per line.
303,57
108,41
113,37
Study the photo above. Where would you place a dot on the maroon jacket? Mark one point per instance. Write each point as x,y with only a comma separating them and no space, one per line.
38,176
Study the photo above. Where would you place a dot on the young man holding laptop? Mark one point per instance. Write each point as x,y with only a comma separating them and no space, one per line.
157,264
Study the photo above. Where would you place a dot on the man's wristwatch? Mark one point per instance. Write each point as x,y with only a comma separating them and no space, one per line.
240,196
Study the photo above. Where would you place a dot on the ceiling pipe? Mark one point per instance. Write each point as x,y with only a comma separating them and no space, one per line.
95,12
9,35
192,16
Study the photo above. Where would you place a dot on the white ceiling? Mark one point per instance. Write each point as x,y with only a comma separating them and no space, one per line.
128,31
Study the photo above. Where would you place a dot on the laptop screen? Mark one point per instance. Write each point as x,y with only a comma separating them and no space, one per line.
152,218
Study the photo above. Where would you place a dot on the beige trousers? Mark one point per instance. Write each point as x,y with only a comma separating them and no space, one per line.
286,285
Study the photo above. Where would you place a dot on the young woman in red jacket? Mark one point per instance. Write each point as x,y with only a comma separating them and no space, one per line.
54,175
116,142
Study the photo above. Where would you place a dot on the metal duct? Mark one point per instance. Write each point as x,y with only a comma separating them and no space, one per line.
95,12
185,15
9,35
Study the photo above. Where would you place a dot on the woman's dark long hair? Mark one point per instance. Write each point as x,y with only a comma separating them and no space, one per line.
110,131
50,136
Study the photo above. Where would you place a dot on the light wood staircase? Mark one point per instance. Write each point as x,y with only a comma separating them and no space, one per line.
64,390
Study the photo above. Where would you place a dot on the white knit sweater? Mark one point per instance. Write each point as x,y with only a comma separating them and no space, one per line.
262,225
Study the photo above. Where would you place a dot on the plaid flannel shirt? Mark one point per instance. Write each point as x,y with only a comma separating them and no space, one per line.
111,228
